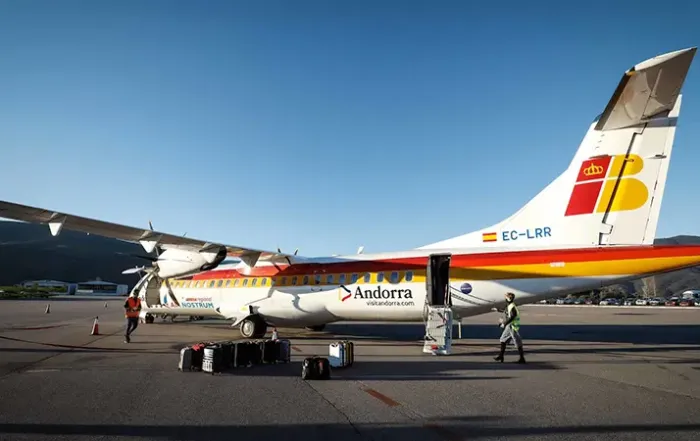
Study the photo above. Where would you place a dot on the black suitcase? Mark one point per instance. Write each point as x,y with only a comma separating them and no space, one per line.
227,348
309,369
240,355
324,368
256,352
269,349
315,368
197,357
246,353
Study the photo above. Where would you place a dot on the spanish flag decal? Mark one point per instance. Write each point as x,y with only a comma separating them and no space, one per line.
489,237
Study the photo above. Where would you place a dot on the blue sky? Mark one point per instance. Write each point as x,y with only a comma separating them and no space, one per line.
315,124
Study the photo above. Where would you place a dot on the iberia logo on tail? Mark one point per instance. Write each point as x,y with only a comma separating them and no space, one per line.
595,190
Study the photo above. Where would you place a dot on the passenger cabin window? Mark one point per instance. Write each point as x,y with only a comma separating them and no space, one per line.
221,282
294,280
395,277
341,279
353,279
264,281
317,279
329,280
255,282
228,283
235,282
380,277
368,277
211,284
305,281
409,276
245,282
284,280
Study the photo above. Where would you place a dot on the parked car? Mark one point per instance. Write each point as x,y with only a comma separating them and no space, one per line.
687,302
641,302
673,301
655,302
628,302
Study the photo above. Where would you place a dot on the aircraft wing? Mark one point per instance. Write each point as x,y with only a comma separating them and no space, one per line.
146,237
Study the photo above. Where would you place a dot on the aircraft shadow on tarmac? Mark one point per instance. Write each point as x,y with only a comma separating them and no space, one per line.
623,334
479,427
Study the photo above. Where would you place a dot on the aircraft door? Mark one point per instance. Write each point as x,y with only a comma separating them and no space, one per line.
153,291
437,280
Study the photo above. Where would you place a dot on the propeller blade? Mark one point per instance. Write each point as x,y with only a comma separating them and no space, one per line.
134,270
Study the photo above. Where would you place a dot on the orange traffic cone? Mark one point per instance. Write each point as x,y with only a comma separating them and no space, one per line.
95,328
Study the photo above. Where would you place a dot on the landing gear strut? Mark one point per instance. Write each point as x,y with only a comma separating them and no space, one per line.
253,327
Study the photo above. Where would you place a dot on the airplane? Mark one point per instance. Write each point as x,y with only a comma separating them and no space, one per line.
592,226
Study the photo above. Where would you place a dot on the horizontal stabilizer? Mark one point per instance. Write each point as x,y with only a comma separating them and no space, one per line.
646,90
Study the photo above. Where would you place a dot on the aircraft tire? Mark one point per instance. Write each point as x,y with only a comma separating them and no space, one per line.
149,318
253,327
317,328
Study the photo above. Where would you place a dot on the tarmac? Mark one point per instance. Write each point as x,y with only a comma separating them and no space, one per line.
593,373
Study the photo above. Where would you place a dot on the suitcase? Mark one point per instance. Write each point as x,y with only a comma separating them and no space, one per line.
185,363
213,359
241,354
247,353
227,348
270,351
276,351
197,356
284,353
256,352
315,368
341,353
324,368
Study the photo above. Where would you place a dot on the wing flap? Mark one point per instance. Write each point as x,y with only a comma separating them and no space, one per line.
146,237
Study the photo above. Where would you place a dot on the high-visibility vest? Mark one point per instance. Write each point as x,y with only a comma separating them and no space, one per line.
515,324
133,303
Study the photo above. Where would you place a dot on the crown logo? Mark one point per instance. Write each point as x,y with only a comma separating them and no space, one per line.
593,170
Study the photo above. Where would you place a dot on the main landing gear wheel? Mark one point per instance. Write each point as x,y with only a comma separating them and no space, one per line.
149,318
253,327
317,328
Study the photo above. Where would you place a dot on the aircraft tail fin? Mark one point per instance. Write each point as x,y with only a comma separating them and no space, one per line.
611,192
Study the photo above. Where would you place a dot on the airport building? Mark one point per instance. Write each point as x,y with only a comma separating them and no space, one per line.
100,287
49,284
93,287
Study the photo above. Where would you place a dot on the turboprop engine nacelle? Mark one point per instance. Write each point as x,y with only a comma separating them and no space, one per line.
175,262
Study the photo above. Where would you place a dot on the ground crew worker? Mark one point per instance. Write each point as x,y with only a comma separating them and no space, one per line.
133,310
511,327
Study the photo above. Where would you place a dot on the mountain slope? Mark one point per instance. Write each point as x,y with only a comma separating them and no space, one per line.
30,252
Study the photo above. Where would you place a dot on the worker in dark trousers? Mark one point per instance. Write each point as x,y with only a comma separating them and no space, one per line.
133,310
510,324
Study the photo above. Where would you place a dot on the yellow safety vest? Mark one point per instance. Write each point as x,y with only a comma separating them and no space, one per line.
515,324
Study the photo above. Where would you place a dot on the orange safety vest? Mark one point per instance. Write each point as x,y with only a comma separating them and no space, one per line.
133,305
